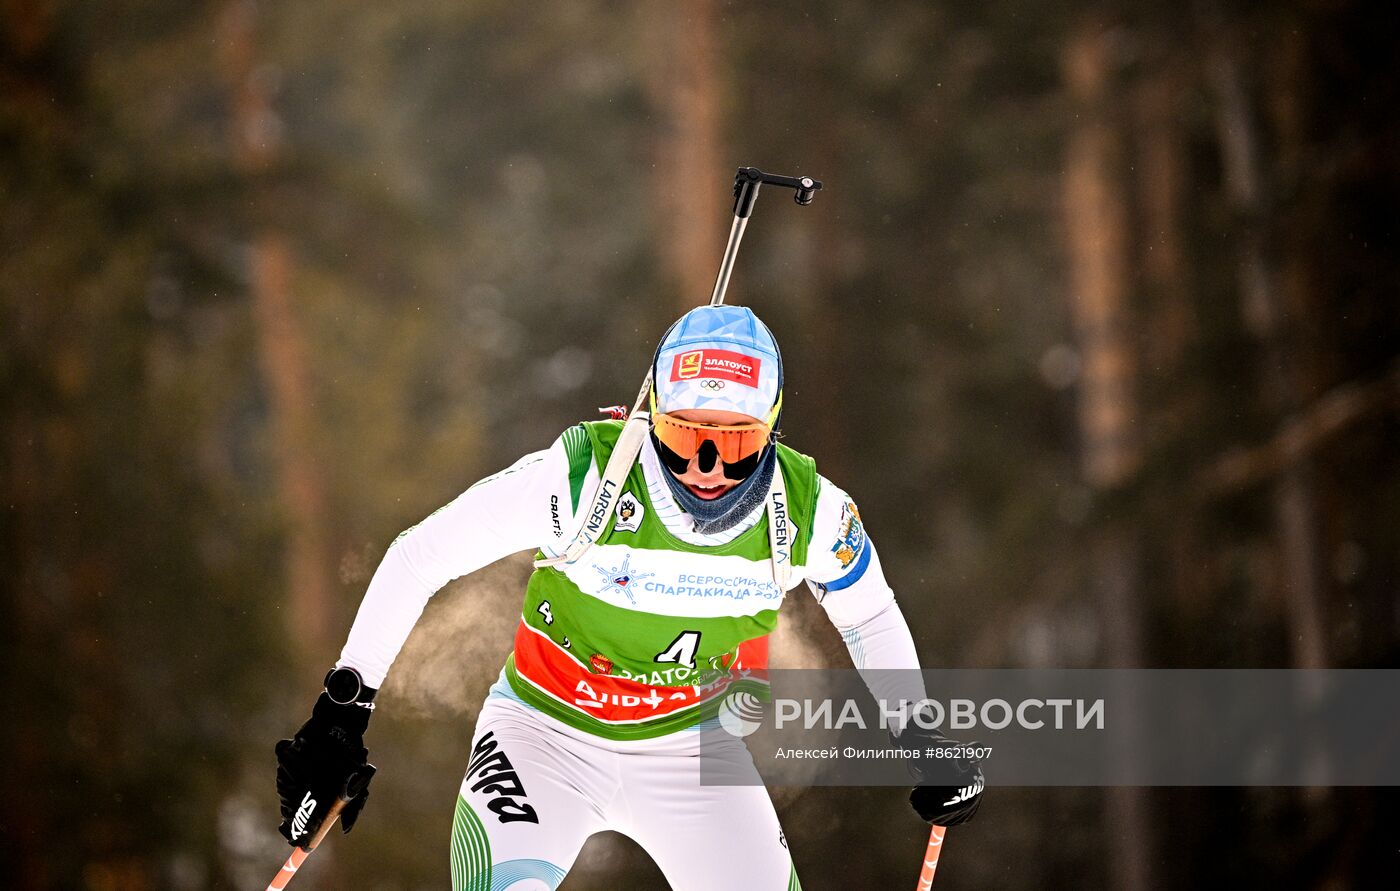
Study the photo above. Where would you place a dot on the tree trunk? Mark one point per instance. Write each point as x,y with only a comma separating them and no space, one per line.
28,813
282,347
37,600
1096,227
1169,324
691,188
301,488
1161,167
1265,317
1098,247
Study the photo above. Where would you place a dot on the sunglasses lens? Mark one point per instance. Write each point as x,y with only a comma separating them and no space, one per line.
734,444
673,461
734,470
682,439
743,468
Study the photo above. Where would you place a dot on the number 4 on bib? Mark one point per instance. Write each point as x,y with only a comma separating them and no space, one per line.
681,650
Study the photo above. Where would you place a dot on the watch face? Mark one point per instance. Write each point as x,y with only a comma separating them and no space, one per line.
343,685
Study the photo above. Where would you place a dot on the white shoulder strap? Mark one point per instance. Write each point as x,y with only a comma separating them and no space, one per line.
780,531
591,522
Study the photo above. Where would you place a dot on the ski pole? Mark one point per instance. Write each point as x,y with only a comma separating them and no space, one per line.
935,847
353,787
746,183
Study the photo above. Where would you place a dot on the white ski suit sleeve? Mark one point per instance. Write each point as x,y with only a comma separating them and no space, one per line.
844,573
525,506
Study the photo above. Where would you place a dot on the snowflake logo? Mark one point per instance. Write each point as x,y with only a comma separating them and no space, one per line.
621,579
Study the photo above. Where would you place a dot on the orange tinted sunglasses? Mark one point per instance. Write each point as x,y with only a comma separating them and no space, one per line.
734,443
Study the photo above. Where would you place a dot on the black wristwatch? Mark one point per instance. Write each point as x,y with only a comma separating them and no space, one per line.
345,686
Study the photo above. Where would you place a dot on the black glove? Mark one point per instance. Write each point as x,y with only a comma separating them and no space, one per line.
324,762
949,790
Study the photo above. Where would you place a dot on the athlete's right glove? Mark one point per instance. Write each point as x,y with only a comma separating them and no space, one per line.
949,790
326,760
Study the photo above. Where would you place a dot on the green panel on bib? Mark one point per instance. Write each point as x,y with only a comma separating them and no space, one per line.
576,447
800,477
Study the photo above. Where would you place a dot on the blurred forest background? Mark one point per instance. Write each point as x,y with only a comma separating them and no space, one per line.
1097,318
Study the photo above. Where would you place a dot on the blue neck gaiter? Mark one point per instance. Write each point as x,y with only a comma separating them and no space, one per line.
724,512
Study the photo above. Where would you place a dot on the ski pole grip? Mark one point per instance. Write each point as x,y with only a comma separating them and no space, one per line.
353,787
331,816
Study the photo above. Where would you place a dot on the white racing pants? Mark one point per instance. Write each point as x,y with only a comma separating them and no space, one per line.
536,789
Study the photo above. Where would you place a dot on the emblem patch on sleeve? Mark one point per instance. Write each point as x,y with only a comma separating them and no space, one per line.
850,537
629,513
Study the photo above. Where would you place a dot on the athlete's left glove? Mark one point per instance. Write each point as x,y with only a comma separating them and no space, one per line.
326,759
949,790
